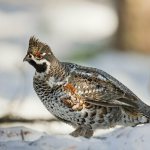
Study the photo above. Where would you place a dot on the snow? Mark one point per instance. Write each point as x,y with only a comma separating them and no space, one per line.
128,138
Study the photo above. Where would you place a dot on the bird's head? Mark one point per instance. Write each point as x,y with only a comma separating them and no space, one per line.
39,55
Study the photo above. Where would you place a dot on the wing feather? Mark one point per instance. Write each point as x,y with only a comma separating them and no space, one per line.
99,88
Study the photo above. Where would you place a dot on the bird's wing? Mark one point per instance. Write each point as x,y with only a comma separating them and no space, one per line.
99,88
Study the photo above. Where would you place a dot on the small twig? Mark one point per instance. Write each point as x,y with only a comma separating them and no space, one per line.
22,135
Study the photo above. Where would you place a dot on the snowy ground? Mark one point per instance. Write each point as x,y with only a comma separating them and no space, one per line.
21,138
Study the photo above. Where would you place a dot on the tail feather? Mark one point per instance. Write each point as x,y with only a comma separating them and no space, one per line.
144,109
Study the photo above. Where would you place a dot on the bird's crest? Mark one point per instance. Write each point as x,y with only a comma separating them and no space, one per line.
34,42
36,45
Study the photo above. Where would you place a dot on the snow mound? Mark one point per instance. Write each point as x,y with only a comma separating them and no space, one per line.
128,138
19,134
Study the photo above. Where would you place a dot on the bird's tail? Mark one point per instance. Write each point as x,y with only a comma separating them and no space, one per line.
144,109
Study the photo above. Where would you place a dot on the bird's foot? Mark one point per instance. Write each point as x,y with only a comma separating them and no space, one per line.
82,131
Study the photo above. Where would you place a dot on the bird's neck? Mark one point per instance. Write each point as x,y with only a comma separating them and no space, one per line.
57,71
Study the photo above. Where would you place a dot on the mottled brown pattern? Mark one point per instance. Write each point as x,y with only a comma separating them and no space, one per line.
85,97
70,88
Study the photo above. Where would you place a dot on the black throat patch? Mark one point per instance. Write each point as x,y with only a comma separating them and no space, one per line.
39,67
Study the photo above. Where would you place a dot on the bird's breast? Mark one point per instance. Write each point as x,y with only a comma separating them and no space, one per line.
53,98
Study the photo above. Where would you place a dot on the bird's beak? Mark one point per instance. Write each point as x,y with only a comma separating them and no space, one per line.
27,58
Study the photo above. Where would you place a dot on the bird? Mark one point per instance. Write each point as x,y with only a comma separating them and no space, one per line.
84,97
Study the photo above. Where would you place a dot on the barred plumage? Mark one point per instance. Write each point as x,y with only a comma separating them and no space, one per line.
87,98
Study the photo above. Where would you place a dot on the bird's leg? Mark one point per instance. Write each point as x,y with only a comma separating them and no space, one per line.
82,131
